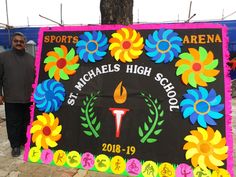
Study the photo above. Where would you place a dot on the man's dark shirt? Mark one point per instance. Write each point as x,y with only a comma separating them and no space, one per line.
16,76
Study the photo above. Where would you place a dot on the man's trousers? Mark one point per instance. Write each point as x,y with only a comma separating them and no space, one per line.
17,120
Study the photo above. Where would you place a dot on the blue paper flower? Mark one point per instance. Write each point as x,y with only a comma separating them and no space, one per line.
163,45
201,106
49,95
92,46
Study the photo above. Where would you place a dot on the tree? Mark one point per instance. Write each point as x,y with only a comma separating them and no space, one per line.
116,11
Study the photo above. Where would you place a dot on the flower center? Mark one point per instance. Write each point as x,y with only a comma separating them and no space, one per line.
202,107
163,46
46,131
196,66
49,95
205,148
126,44
92,46
61,63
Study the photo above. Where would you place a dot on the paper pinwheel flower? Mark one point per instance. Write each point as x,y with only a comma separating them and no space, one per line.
201,106
49,95
46,131
60,63
92,46
197,67
163,45
206,148
126,45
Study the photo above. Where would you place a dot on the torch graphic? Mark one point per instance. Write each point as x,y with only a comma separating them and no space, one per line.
120,96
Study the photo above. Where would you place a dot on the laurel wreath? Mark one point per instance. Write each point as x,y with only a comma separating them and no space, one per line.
150,127
89,120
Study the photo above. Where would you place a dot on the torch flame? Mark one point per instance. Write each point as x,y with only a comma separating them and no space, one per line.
120,94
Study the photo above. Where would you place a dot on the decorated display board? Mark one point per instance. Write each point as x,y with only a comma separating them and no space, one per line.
141,100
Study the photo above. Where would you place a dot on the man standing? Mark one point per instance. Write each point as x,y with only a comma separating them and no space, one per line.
16,79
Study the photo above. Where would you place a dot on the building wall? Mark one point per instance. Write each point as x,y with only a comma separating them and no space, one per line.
31,33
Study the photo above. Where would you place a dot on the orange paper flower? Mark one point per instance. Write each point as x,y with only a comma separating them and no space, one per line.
126,45
197,68
60,63
206,148
46,131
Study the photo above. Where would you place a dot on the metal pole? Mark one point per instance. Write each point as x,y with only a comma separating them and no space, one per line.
51,20
189,12
229,15
28,21
7,13
187,21
223,15
61,13
138,15
8,26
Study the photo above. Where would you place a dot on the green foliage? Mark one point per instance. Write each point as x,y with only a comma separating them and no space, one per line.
89,121
151,128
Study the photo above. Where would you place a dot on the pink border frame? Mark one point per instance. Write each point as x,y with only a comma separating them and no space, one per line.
228,110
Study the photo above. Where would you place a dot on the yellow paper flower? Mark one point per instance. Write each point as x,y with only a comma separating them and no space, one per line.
46,131
126,45
206,148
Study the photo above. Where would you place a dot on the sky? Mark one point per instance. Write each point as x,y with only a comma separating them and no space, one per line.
23,13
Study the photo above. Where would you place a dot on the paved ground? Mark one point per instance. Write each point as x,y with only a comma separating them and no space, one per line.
15,167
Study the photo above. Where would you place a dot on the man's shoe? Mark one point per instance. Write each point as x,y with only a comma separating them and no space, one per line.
15,152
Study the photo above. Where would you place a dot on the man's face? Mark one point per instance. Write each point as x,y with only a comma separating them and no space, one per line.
18,42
